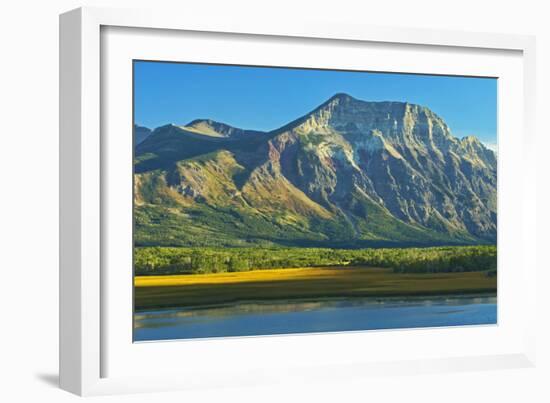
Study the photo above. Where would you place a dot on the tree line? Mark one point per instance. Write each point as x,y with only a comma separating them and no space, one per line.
168,260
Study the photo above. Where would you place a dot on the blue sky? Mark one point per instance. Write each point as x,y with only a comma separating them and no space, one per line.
266,98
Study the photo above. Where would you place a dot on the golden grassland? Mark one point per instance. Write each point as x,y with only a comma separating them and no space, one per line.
300,283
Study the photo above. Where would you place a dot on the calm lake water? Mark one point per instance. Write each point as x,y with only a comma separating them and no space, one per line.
248,319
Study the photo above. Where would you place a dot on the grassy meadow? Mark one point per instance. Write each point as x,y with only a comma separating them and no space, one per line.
191,277
300,283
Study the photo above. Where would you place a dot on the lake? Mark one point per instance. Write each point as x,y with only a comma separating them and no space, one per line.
284,317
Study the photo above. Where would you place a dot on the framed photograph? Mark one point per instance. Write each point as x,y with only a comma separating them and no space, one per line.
238,198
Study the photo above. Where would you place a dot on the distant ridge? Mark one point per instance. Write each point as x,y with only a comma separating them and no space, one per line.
141,133
212,128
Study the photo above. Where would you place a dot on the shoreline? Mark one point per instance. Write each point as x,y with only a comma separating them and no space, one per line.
298,300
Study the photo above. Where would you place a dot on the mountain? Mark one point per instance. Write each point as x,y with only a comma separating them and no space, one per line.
350,173
208,127
141,133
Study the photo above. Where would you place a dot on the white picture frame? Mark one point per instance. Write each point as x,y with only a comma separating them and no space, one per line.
88,338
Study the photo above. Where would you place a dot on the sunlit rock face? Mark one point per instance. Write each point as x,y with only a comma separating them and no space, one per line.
350,168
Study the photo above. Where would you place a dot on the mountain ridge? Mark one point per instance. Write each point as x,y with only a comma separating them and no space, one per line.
348,171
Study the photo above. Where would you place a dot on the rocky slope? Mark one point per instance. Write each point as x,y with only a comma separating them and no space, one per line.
349,173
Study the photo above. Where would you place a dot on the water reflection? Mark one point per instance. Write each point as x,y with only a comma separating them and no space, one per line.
279,317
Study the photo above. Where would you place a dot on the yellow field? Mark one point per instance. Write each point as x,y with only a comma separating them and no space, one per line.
241,277
296,283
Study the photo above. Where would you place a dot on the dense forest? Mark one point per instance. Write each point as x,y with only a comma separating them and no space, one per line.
166,260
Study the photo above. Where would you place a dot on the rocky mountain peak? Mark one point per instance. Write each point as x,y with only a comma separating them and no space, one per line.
399,123
341,98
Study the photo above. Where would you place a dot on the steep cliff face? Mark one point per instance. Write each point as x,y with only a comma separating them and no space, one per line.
400,156
347,172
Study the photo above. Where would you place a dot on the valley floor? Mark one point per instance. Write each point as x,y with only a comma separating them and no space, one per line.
168,291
